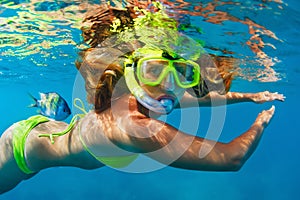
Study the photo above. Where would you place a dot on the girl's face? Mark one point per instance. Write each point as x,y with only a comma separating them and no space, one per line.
159,81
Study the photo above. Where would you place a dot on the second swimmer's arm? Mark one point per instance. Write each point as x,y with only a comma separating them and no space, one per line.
216,99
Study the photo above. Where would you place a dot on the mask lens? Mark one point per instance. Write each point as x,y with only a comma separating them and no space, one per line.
185,72
152,69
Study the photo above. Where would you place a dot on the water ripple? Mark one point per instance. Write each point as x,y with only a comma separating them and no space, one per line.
45,33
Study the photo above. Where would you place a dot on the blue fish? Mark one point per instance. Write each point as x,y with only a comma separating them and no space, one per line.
52,105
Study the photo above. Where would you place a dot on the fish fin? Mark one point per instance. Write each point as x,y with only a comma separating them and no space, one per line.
33,104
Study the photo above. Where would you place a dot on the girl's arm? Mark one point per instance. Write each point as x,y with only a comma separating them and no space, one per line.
171,146
216,99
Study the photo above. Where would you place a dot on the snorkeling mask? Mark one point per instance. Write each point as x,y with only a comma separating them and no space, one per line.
152,70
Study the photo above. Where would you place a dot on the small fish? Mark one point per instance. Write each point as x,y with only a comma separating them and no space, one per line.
52,105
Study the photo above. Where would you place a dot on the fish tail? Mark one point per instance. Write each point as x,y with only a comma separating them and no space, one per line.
35,101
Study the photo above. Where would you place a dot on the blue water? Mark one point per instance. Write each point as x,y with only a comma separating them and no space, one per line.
34,60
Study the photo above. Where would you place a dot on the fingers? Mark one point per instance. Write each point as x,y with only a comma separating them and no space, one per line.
279,97
269,96
265,116
271,110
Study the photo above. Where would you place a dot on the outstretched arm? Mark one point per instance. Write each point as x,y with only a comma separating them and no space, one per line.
170,146
216,99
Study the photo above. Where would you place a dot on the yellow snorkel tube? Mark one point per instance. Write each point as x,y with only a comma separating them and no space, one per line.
143,98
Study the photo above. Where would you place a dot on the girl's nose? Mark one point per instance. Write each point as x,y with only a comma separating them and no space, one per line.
168,83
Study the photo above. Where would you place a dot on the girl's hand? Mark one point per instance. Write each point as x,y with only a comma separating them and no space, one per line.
267,96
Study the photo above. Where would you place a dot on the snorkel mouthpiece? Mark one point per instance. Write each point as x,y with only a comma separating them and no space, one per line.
168,104
163,106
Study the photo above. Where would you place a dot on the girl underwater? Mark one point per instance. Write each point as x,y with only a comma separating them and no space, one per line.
138,67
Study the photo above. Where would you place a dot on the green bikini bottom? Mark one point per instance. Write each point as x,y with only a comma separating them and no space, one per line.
20,134
24,127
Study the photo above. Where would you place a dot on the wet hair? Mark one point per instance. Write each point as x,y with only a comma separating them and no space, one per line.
96,63
227,69
101,65
101,77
